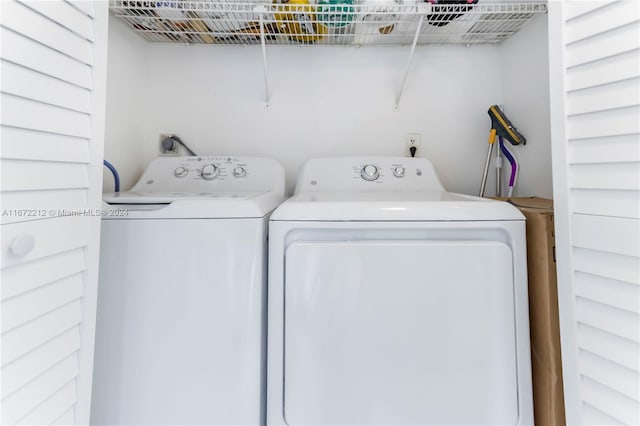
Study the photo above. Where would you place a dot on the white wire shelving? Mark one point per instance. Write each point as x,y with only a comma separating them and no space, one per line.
325,22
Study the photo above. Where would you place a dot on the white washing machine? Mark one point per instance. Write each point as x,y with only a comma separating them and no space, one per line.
182,294
392,301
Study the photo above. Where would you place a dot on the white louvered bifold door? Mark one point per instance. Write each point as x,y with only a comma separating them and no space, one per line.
53,68
595,115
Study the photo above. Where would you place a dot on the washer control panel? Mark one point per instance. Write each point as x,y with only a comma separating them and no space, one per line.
204,174
368,174
210,168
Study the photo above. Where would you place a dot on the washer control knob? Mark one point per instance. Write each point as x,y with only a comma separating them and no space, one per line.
209,172
398,171
180,172
369,172
239,172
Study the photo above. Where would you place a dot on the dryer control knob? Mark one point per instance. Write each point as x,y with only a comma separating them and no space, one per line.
180,172
209,172
369,172
398,171
239,172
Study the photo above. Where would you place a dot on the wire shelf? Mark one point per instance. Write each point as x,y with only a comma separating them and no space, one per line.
325,22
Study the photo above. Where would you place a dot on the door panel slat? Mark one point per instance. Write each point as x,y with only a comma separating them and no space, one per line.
609,17
604,317
608,265
36,392
606,149
620,40
33,364
27,276
68,418
611,292
610,402
47,412
606,345
83,6
27,114
25,82
40,175
612,234
66,15
26,21
579,9
605,176
593,416
33,304
23,51
605,71
24,144
623,121
617,203
610,374
20,341
625,93
48,204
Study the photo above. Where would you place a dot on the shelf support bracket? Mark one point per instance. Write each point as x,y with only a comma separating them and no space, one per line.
423,9
263,43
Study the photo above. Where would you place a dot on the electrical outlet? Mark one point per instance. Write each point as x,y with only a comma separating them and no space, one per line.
173,152
413,141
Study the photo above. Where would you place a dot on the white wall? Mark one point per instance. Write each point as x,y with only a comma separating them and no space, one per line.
326,101
525,82
126,73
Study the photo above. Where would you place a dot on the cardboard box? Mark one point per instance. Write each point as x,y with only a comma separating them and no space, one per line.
546,363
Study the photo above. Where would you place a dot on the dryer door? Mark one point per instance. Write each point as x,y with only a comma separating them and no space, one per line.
399,332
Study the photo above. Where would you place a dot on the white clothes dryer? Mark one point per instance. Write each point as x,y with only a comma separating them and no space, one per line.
182,294
392,301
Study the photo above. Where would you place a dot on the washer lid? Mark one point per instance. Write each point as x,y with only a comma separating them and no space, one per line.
393,206
135,205
133,197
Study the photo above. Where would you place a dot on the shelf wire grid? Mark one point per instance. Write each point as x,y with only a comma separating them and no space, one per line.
327,22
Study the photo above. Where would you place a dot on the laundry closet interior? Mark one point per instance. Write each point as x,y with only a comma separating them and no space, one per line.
300,117
356,81
333,97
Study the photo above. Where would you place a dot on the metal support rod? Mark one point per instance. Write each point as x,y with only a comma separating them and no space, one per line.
406,71
483,184
267,93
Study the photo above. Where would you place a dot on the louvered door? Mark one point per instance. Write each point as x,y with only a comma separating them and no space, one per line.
53,67
595,111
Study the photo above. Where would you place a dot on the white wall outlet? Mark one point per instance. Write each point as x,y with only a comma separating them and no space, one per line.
413,141
174,152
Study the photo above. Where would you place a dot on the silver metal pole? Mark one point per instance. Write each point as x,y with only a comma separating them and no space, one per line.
406,71
486,171
267,92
